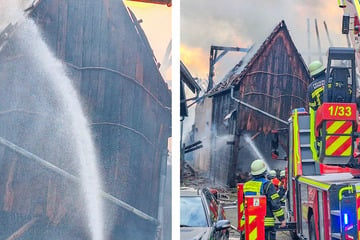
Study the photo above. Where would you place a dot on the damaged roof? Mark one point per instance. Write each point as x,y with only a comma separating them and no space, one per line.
241,69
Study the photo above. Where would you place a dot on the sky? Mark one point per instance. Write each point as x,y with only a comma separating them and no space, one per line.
157,25
239,23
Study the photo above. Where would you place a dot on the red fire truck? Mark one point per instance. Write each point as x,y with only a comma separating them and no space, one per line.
323,198
323,154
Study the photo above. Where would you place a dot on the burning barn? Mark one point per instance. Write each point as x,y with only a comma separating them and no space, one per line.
100,49
273,78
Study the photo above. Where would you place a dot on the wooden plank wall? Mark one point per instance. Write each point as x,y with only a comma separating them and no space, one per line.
275,83
223,133
122,92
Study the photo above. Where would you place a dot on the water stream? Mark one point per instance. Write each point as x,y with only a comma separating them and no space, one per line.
50,83
255,150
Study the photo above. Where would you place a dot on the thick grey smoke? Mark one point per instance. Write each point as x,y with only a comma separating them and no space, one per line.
242,23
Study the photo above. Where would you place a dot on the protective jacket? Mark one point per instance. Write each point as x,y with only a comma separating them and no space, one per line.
338,92
316,90
262,186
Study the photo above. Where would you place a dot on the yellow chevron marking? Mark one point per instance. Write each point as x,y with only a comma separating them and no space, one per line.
252,218
253,234
336,144
335,126
349,130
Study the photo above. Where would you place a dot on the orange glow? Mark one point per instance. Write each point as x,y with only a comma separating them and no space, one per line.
327,12
334,10
196,60
139,5
156,23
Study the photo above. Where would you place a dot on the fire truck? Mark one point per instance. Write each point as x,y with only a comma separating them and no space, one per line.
322,151
323,168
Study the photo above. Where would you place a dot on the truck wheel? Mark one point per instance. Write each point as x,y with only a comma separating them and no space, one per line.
312,234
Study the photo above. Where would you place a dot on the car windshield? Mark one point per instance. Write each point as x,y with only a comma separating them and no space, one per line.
192,212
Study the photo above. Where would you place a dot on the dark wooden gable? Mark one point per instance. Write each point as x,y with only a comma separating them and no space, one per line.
274,80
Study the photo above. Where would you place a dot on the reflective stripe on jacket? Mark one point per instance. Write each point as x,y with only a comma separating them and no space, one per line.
262,186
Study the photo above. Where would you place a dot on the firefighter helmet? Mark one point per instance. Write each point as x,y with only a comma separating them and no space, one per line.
258,167
282,173
272,173
315,68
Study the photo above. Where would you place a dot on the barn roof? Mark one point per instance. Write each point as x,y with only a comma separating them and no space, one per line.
239,71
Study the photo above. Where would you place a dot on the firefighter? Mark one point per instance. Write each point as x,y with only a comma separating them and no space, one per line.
273,178
260,185
282,187
272,174
282,179
316,87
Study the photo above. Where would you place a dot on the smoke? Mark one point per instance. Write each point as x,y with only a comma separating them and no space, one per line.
223,141
9,11
221,149
243,23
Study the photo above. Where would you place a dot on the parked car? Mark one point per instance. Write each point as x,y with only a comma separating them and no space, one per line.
202,216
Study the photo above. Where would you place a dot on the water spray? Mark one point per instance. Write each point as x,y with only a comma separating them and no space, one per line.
255,149
74,179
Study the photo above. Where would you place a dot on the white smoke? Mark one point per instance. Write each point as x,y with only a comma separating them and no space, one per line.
10,11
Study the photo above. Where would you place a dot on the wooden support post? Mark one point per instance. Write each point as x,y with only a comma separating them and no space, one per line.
23,229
